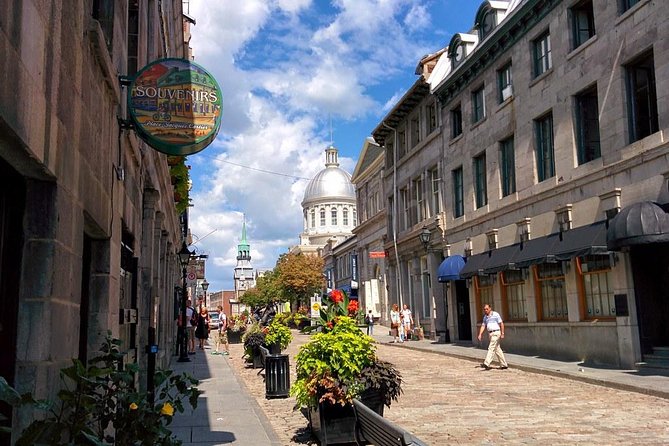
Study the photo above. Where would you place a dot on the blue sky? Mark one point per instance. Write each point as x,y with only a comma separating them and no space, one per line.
291,70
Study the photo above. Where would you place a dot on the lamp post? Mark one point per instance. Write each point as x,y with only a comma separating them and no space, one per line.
425,236
184,260
205,287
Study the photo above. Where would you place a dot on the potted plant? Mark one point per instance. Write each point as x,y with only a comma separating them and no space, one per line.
277,337
253,339
236,329
99,404
337,365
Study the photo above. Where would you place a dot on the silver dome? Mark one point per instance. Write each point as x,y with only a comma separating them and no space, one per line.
331,182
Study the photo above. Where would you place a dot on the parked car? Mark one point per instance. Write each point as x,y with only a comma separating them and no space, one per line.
213,320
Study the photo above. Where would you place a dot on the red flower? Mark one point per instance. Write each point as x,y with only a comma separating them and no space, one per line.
337,296
330,325
352,306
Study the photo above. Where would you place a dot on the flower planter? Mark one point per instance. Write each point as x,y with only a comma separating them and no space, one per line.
335,424
234,337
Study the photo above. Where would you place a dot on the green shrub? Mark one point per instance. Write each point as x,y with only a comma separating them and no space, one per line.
102,395
278,333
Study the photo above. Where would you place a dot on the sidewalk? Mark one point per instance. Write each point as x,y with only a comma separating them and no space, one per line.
226,413
647,381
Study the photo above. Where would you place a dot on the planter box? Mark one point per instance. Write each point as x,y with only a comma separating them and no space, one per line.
235,337
335,424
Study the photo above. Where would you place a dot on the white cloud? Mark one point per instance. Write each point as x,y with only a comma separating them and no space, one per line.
284,66
417,17
390,103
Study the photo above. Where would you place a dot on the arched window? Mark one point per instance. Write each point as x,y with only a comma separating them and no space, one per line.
322,217
313,218
333,216
345,217
487,23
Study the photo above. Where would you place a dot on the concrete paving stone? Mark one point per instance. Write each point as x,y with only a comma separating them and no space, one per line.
448,399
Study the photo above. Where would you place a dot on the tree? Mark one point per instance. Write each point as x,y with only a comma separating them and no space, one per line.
267,291
300,276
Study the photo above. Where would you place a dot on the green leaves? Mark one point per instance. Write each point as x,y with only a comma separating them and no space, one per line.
330,364
96,397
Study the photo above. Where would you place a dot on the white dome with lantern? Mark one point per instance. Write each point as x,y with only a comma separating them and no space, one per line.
329,210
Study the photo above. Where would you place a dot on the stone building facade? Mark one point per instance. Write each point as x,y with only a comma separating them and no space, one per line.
88,224
370,233
552,168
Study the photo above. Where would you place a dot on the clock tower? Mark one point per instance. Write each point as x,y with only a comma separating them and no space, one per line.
244,277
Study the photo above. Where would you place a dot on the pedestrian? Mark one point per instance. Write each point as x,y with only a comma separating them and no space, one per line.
191,317
407,322
492,322
370,323
222,333
395,322
202,328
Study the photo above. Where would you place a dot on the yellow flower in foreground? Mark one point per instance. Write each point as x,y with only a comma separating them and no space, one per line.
133,406
167,409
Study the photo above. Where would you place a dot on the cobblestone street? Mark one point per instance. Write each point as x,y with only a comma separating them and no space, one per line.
452,401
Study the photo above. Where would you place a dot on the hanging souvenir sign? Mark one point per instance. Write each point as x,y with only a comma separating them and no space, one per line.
175,106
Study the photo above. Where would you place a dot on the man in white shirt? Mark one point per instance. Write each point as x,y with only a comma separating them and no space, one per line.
492,322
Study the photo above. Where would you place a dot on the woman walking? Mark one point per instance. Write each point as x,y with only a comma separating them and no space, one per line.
395,322
202,329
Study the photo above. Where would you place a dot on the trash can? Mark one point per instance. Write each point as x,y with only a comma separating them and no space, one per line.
277,376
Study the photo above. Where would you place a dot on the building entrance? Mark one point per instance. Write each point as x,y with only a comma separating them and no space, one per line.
12,208
462,308
650,269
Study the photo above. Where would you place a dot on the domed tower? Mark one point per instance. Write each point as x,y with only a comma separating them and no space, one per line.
329,210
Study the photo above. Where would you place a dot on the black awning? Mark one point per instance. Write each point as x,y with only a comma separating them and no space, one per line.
502,259
475,265
638,224
537,250
581,241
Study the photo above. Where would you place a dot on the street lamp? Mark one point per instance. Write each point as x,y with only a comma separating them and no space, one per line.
205,287
425,236
184,259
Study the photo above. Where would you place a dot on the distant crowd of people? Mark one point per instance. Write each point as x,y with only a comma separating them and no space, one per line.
199,326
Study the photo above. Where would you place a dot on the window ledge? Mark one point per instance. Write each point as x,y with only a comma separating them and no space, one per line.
579,49
541,77
630,12
504,103
97,39
478,123
456,139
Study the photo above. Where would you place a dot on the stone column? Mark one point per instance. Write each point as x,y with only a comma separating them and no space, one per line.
145,281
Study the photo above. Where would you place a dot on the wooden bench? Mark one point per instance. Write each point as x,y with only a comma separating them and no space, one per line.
372,428
263,354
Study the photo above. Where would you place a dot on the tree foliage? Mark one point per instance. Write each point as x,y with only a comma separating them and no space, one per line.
267,290
299,276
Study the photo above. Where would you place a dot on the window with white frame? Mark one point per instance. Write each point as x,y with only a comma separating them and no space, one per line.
333,216
478,104
322,217
541,54
420,199
596,287
434,187
431,117
513,296
345,216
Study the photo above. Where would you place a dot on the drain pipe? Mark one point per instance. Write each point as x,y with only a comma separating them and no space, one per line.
397,256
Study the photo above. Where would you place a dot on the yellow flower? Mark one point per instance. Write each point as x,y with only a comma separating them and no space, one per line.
167,409
133,406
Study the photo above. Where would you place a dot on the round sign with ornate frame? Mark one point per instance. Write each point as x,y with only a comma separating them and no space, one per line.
175,106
